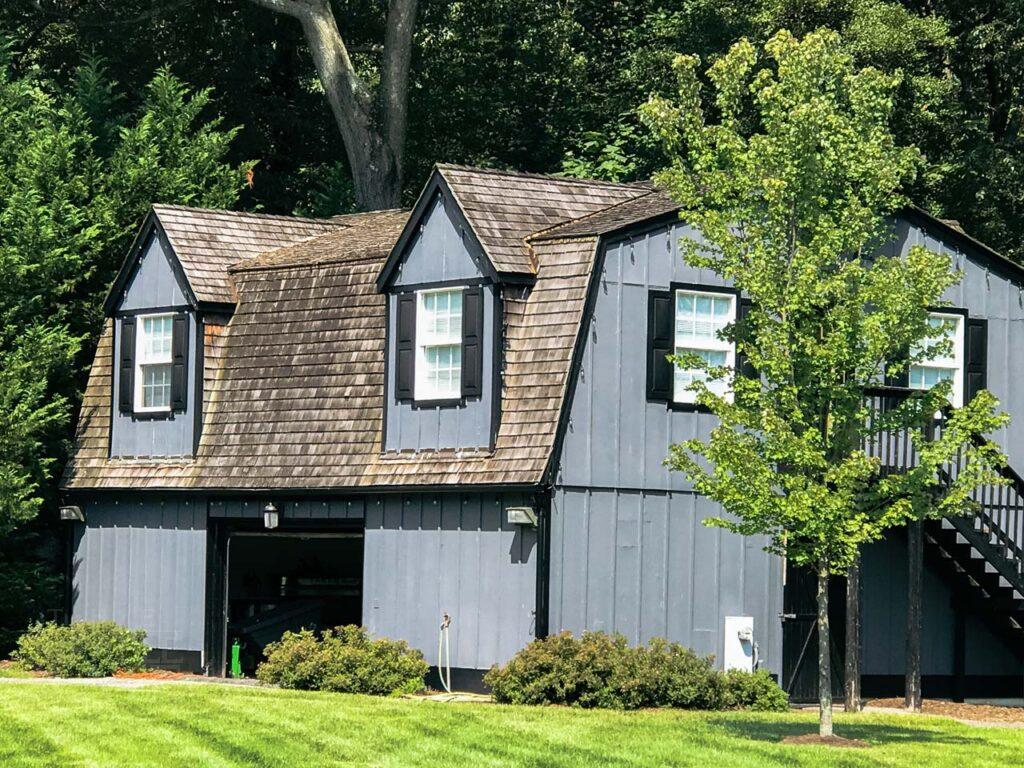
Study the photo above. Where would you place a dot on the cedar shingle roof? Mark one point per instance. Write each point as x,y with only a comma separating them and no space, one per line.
298,399
207,242
613,218
504,207
294,381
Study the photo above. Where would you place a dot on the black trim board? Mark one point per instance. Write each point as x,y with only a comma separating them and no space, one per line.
174,660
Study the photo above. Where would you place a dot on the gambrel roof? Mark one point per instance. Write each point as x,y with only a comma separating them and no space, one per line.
294,379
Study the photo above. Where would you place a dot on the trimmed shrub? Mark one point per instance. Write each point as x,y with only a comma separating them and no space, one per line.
82,649
753,690
602,670
344,660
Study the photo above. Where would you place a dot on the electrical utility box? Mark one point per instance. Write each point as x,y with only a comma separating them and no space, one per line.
739,649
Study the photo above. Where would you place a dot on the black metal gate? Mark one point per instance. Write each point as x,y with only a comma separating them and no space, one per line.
800,634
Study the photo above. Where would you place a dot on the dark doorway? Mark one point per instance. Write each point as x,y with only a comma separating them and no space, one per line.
800,634
286,580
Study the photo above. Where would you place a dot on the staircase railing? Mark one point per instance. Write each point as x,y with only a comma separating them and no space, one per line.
997,528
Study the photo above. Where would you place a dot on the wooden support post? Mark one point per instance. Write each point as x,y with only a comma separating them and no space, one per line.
854,701
959,647
915,571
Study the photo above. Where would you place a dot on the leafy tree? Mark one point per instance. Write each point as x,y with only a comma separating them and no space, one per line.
76,176
790,185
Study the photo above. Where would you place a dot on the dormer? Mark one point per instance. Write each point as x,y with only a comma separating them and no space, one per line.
174,283
443,332
155,325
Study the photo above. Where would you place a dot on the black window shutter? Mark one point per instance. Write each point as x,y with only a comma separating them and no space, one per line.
743,364
179,363
405,346
472,341
901,377
126,366
976,355
660,342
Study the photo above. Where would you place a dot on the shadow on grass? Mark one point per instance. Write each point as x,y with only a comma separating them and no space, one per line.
874,733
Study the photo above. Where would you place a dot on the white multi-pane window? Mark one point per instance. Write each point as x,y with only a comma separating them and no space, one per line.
439,345
700,315
947,367
153,362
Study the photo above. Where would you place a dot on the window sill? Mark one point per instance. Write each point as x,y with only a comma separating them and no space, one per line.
451,402
160,415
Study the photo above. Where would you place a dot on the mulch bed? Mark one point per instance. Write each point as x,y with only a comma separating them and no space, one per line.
155,674
975,712
814,739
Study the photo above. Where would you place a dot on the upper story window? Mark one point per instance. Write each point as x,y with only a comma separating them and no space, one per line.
153,363
950,365
439,344
699,317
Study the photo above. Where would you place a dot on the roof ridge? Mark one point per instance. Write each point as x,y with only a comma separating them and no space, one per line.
540,234
274,216
544,176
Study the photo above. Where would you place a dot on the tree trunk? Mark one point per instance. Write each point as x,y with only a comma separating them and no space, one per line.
372,128
824,657
915,567
853,701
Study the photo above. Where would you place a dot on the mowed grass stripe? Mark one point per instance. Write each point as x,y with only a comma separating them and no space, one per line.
213,726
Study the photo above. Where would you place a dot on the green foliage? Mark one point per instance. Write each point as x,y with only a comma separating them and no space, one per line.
344,660
82,649
790,185
753,690
77,174
604,671
29,584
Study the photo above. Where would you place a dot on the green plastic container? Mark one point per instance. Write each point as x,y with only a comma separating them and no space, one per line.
236,659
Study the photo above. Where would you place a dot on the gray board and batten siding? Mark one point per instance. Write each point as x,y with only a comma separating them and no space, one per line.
154,284
141,560
440,252
628,550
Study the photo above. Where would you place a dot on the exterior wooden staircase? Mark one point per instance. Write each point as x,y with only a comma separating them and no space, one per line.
980,555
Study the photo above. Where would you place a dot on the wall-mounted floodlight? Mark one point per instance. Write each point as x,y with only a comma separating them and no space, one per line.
521,516
271,517
73,514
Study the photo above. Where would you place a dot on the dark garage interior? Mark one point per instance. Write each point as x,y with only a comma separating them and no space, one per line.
289,581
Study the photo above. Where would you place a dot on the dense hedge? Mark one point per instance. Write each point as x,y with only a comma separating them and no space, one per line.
82,649
345,660
601,670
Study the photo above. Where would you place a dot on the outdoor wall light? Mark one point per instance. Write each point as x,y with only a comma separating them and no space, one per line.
74,514
270,516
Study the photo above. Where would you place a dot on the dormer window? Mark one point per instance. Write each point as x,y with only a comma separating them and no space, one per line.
153,363
439,344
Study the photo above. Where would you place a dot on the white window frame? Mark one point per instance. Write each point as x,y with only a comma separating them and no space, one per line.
142,359
422,389
956,361
688,396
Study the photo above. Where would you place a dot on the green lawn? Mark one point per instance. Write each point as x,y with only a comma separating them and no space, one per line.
178,725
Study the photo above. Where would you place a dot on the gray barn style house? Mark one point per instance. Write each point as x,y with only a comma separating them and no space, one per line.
464,409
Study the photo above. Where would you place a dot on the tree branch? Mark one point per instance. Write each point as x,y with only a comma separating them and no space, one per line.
394,77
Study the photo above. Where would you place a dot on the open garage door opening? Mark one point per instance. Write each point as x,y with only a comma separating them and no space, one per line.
283,581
